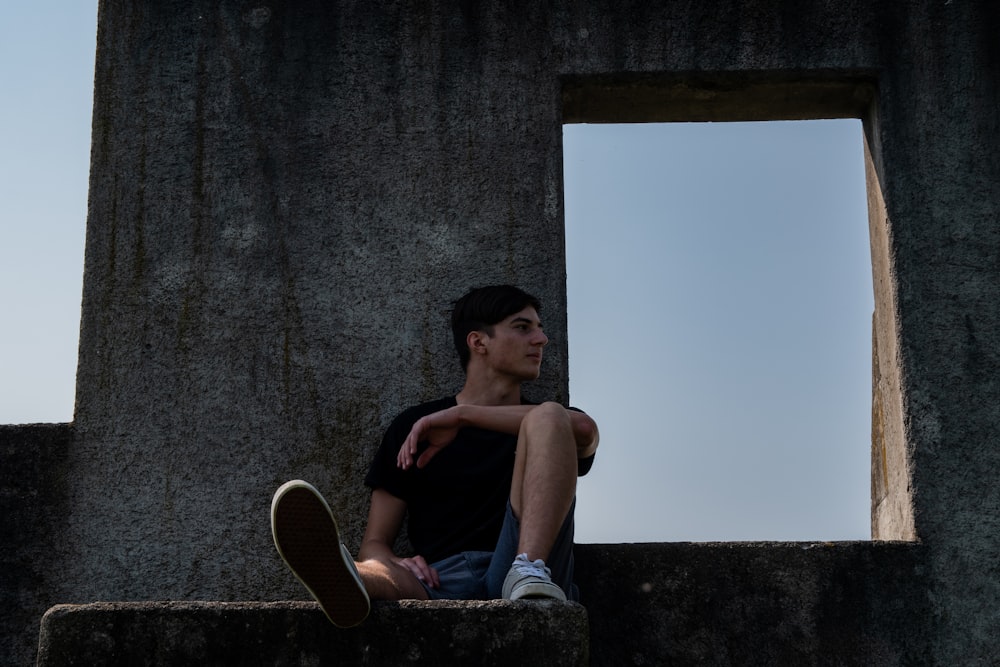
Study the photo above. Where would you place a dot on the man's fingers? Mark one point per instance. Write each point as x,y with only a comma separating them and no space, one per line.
422,571
438,437
429,574
405,457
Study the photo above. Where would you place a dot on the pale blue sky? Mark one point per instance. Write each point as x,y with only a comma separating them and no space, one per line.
719,300
46,77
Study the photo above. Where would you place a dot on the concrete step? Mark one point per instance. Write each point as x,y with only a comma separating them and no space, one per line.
495,632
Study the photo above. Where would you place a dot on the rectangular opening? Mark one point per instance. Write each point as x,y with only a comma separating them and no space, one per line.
720,310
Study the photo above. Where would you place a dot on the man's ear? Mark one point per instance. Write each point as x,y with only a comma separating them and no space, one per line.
476,340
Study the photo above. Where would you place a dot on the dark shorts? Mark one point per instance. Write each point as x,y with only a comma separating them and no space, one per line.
479,575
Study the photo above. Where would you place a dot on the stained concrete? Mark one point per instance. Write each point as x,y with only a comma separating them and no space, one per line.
284,199
726,603
297,633
809,603
284,202
858,603
33,470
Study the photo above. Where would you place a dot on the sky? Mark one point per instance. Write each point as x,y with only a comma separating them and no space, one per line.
47,50
719,293
719,302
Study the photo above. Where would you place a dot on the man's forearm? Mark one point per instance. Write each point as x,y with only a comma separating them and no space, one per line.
501,418
507,419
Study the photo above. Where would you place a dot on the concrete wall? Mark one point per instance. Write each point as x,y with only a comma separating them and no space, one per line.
33,472
862,603
935,135
284,199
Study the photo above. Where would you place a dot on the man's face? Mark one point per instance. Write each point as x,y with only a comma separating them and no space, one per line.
514,347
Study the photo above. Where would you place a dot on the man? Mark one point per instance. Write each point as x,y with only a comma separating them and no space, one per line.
486,480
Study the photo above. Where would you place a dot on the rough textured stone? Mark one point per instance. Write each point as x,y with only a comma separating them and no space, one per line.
285,200
934,137
860,603
285,197
32,513
297,633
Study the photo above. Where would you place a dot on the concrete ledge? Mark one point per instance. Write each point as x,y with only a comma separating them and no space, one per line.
756,603
297,633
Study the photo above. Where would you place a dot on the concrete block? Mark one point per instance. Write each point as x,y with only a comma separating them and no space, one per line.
844,603
297,633
279,193
32,512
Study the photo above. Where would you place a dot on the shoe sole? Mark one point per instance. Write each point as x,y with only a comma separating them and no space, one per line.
537,592
306,536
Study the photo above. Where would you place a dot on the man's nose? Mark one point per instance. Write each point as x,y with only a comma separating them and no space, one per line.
541,339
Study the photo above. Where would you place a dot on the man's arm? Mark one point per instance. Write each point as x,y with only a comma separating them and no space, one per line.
385,518
438,429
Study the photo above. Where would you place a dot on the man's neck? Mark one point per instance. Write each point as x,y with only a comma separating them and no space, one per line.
483,391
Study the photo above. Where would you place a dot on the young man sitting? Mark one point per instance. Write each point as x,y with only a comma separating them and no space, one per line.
486,480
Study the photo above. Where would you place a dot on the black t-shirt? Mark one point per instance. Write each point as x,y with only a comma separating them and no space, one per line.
457,502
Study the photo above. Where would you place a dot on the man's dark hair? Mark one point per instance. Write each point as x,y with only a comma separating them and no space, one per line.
483,307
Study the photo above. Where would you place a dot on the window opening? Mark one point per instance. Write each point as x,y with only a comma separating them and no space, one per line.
719,307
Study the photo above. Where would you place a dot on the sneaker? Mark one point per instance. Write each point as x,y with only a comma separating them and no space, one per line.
530,580
307,539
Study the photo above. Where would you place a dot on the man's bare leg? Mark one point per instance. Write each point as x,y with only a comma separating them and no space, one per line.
544,483
388,581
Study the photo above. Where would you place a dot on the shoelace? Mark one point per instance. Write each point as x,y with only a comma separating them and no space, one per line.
527,568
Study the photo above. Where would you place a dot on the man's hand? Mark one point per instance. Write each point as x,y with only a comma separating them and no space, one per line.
420,569
437,429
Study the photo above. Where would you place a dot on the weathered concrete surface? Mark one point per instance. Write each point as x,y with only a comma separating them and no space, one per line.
934,138
33,469
284,199
648,604
297,633
862,603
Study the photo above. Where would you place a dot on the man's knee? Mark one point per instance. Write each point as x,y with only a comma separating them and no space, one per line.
547,415
549,426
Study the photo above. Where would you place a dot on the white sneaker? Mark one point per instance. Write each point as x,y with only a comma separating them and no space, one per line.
530,580
307,539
